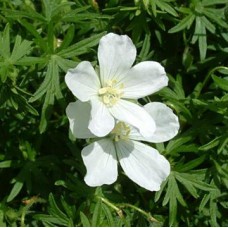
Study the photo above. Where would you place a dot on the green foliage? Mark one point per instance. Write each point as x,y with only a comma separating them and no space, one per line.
41,169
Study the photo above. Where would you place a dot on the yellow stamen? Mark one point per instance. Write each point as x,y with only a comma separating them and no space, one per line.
121,131
110,94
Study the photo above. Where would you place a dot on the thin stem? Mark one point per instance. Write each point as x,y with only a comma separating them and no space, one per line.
122,205
148,215
205,81
108,203
28,204
23,214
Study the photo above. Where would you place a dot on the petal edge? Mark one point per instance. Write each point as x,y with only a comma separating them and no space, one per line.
101,122
101,163
83,81
78,114
116,54
144,79
143,164
134,115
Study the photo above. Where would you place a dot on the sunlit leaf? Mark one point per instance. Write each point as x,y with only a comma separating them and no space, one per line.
15,190
184,23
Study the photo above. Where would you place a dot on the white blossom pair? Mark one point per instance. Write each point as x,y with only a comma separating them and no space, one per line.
105,108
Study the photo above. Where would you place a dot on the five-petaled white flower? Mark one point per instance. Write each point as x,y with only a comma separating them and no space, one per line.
141,163
117,82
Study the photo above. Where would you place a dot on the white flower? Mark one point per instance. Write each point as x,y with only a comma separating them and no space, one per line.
117,82
141,163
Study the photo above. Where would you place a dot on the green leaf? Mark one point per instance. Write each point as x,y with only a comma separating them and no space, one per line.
169,93
60,6
21,48
53,10
65,64
146,4
29,60
77,17
67,38
208,24
84,220
180,107
200,35
146,52
184,23
193,180
44,86
173,190
15,190
213,143
204,201
81,47
175,144
5,42
212,14
178,88
213,209
187,59
96,213
108,215
50,87
69,210
57,8
158,194
50,220
21,102
38,39
211,198
27,13
191,164
172,211
46,109
47,8
2,220
166,7
172,196
4,70
5,164
188,185
154,7
54,209
221,82
213,2
203,43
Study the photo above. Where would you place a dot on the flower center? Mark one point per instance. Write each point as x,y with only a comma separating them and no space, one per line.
120,131
110,94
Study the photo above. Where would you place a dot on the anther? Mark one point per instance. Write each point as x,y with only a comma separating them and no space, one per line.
110,94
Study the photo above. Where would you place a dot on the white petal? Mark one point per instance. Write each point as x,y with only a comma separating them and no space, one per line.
134,115
78,114
116,55
167,124
143,164
102,122
144,79
135,135
83,81
101,163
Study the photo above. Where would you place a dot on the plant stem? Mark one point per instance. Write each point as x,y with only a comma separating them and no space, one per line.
205,81
148,215
108,203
